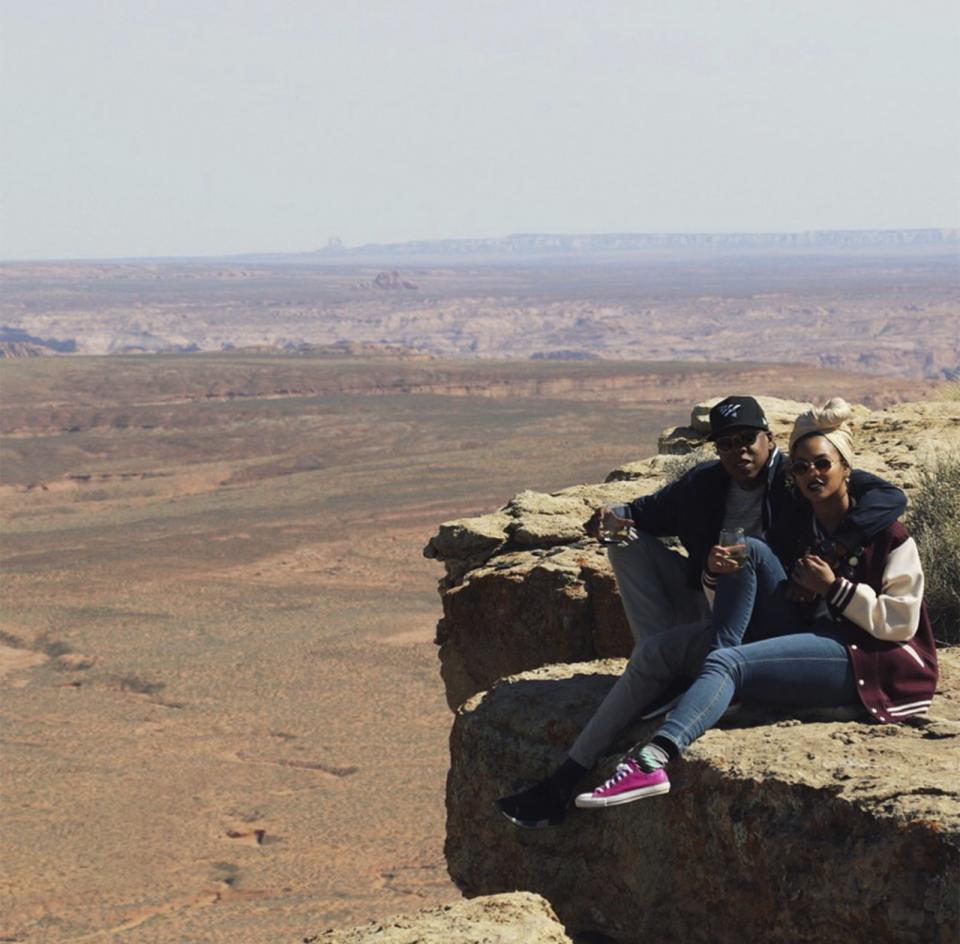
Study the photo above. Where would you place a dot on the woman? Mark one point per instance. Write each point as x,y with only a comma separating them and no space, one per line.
851,628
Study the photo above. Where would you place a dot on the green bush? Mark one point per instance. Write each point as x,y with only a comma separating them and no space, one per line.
934,522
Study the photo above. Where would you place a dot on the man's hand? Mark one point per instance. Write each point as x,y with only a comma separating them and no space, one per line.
814,574
606,521
721,561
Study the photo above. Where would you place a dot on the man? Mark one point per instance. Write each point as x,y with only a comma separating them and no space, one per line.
663,592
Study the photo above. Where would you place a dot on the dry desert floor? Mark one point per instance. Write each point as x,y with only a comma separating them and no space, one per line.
222,717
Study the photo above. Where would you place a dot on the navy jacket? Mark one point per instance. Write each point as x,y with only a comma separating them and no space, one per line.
692,508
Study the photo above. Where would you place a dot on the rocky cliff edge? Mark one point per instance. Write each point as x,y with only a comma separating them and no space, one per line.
781,829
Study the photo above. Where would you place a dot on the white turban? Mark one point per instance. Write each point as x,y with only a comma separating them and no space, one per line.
831,423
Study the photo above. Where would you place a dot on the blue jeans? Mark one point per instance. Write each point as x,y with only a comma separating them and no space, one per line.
809,669
797,659
752,602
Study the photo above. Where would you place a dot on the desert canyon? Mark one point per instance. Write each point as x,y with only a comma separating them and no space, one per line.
223,713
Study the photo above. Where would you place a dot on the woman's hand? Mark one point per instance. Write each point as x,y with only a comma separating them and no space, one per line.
814,574
721,561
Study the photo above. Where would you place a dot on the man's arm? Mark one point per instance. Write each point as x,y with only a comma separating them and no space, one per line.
659,514
655,514
878,505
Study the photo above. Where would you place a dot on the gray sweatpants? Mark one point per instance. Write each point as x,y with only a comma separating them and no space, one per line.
654,589
655,663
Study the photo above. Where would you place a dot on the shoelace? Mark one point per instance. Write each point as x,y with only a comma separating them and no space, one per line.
624,769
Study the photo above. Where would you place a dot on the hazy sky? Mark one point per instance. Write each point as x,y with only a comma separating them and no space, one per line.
180,127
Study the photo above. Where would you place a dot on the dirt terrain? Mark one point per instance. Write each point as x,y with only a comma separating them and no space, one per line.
222,717
892,310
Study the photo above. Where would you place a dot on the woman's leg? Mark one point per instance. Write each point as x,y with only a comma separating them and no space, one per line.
810,670
805,669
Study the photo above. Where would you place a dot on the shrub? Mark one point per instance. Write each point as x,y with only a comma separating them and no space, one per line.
934,521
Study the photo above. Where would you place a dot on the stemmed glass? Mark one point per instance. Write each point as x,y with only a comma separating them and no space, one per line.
615,530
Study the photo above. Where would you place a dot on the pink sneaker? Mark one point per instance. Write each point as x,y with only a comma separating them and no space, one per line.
630,782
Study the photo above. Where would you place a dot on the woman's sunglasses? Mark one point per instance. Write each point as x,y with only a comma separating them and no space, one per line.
726,443
802,467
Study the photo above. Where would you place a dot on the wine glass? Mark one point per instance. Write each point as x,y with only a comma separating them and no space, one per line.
616,530
736,543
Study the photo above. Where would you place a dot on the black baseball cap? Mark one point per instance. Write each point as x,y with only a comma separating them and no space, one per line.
734,412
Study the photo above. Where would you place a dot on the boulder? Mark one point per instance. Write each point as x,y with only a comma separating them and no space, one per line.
523,609
783,832
519,918
467,543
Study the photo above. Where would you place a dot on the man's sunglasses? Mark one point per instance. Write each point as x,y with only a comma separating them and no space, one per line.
802,467
726,443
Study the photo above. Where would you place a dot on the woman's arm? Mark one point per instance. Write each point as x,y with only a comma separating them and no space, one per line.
894,613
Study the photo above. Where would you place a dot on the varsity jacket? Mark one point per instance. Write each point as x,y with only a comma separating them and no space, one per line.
692,508
881,619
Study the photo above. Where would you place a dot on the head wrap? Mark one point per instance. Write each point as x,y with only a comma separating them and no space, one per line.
831,423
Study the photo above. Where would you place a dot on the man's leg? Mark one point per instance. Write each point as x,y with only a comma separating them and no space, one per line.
653,586
654,665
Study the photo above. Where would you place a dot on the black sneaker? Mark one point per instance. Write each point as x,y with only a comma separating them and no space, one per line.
536,807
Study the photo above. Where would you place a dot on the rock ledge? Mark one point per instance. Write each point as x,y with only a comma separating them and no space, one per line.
520,918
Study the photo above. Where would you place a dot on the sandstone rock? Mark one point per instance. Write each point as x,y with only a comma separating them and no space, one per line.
545,520
777,830
524,609
467,537
655,471
518,918
782,832
467,543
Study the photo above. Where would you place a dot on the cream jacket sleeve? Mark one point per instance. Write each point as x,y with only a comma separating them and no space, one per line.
894,613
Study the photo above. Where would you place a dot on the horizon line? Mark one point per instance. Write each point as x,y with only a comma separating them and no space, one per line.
488,245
